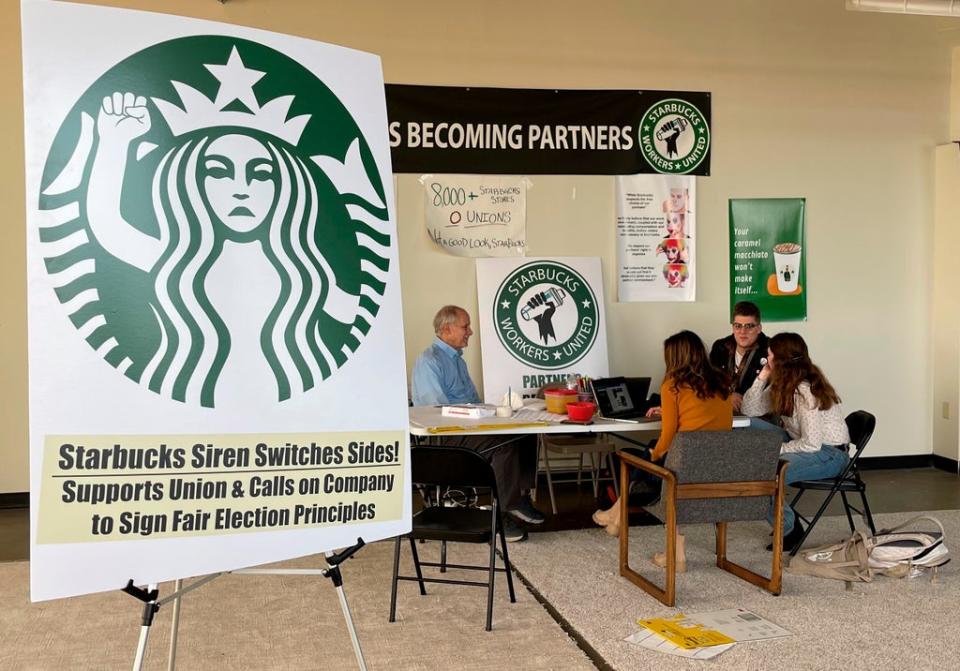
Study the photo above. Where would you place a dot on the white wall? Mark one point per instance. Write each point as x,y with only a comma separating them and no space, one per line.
946,304
809,100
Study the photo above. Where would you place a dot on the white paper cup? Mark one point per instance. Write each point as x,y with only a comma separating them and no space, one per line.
504,411
788,267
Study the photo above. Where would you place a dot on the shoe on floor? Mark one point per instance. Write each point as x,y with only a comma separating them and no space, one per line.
525,512
513,532
602,517
660,559
792,539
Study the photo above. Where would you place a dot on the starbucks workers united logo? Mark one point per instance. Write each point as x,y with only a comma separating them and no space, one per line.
182,169
674,136
546,315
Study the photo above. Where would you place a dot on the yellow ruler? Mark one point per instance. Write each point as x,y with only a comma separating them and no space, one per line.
484,427
688,637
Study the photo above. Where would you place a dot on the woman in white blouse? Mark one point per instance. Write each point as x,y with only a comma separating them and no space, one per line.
791,386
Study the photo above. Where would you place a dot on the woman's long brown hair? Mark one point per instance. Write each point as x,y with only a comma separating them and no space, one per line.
791,366
689,366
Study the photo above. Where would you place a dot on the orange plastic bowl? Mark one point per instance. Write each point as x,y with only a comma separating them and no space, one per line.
581,411
558,399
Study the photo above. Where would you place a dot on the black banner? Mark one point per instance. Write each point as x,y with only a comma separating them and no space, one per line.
449,129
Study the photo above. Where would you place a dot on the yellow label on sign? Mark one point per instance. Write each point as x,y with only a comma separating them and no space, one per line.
694,636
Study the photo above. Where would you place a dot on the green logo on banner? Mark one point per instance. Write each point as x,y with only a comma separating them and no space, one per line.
546,315
192,152
674,136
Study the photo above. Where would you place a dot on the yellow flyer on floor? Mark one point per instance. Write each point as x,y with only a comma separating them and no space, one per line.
687,635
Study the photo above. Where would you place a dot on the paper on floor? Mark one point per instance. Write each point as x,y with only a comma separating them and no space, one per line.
645,638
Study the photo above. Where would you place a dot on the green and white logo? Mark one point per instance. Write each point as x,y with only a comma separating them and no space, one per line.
546,315
674,136
184,171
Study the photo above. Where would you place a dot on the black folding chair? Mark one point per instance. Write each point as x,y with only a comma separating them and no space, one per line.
460,468
861,425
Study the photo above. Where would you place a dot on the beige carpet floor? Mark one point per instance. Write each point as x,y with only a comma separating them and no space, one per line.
272,622
886,624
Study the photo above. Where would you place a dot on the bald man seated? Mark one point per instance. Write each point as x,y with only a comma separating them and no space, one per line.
440,377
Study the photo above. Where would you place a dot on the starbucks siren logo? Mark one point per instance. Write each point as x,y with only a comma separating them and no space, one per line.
191,147
546,315
674,136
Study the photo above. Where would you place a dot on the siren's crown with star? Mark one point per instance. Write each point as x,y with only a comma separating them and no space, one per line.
236,83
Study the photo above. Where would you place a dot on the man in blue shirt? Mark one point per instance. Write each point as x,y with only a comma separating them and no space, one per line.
440,377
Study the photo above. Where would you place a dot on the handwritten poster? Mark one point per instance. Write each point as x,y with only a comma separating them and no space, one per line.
656,233
476,215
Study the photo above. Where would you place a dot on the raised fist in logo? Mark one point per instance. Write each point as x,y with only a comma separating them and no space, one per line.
540,308
123,117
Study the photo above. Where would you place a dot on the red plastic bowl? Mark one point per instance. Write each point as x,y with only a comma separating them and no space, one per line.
581,411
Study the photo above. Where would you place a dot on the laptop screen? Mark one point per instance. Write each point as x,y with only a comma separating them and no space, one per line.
613,397
619,397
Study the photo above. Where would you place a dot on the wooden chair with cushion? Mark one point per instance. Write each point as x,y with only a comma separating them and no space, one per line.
713,477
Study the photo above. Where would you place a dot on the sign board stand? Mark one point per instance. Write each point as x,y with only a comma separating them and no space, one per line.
152,603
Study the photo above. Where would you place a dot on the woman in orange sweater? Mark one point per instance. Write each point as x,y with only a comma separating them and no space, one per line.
695,396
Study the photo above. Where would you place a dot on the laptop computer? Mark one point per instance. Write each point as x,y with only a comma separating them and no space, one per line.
622,399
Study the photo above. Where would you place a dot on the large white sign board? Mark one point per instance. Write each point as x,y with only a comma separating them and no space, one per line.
217,372
540,321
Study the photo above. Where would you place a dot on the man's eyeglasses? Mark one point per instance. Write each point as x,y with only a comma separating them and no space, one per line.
744,327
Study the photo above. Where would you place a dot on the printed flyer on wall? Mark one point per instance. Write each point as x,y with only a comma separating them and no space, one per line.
656,235
768,264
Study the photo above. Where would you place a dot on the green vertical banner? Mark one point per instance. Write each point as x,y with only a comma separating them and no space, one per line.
768,264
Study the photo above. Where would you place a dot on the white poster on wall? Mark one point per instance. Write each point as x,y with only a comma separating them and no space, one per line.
217,369
540,321
656,238
476,215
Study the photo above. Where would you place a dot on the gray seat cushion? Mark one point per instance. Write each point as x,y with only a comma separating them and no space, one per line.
721,456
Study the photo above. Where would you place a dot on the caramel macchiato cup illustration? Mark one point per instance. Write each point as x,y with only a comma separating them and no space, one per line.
786,258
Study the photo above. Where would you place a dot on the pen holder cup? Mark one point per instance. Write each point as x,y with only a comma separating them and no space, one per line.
504,411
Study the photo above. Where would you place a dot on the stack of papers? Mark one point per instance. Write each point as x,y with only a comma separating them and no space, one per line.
704,635
531,415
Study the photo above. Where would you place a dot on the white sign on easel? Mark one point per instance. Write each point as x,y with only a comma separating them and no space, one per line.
216,376
540,321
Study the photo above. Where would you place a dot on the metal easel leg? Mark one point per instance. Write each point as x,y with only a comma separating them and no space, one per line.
174,627
348,617
334,559
150,607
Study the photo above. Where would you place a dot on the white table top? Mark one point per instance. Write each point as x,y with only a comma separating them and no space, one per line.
427,417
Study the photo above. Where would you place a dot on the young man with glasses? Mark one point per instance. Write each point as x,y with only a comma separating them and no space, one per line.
740,353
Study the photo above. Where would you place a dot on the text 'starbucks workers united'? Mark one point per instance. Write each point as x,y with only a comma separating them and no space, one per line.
674,136
546,315
227,148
